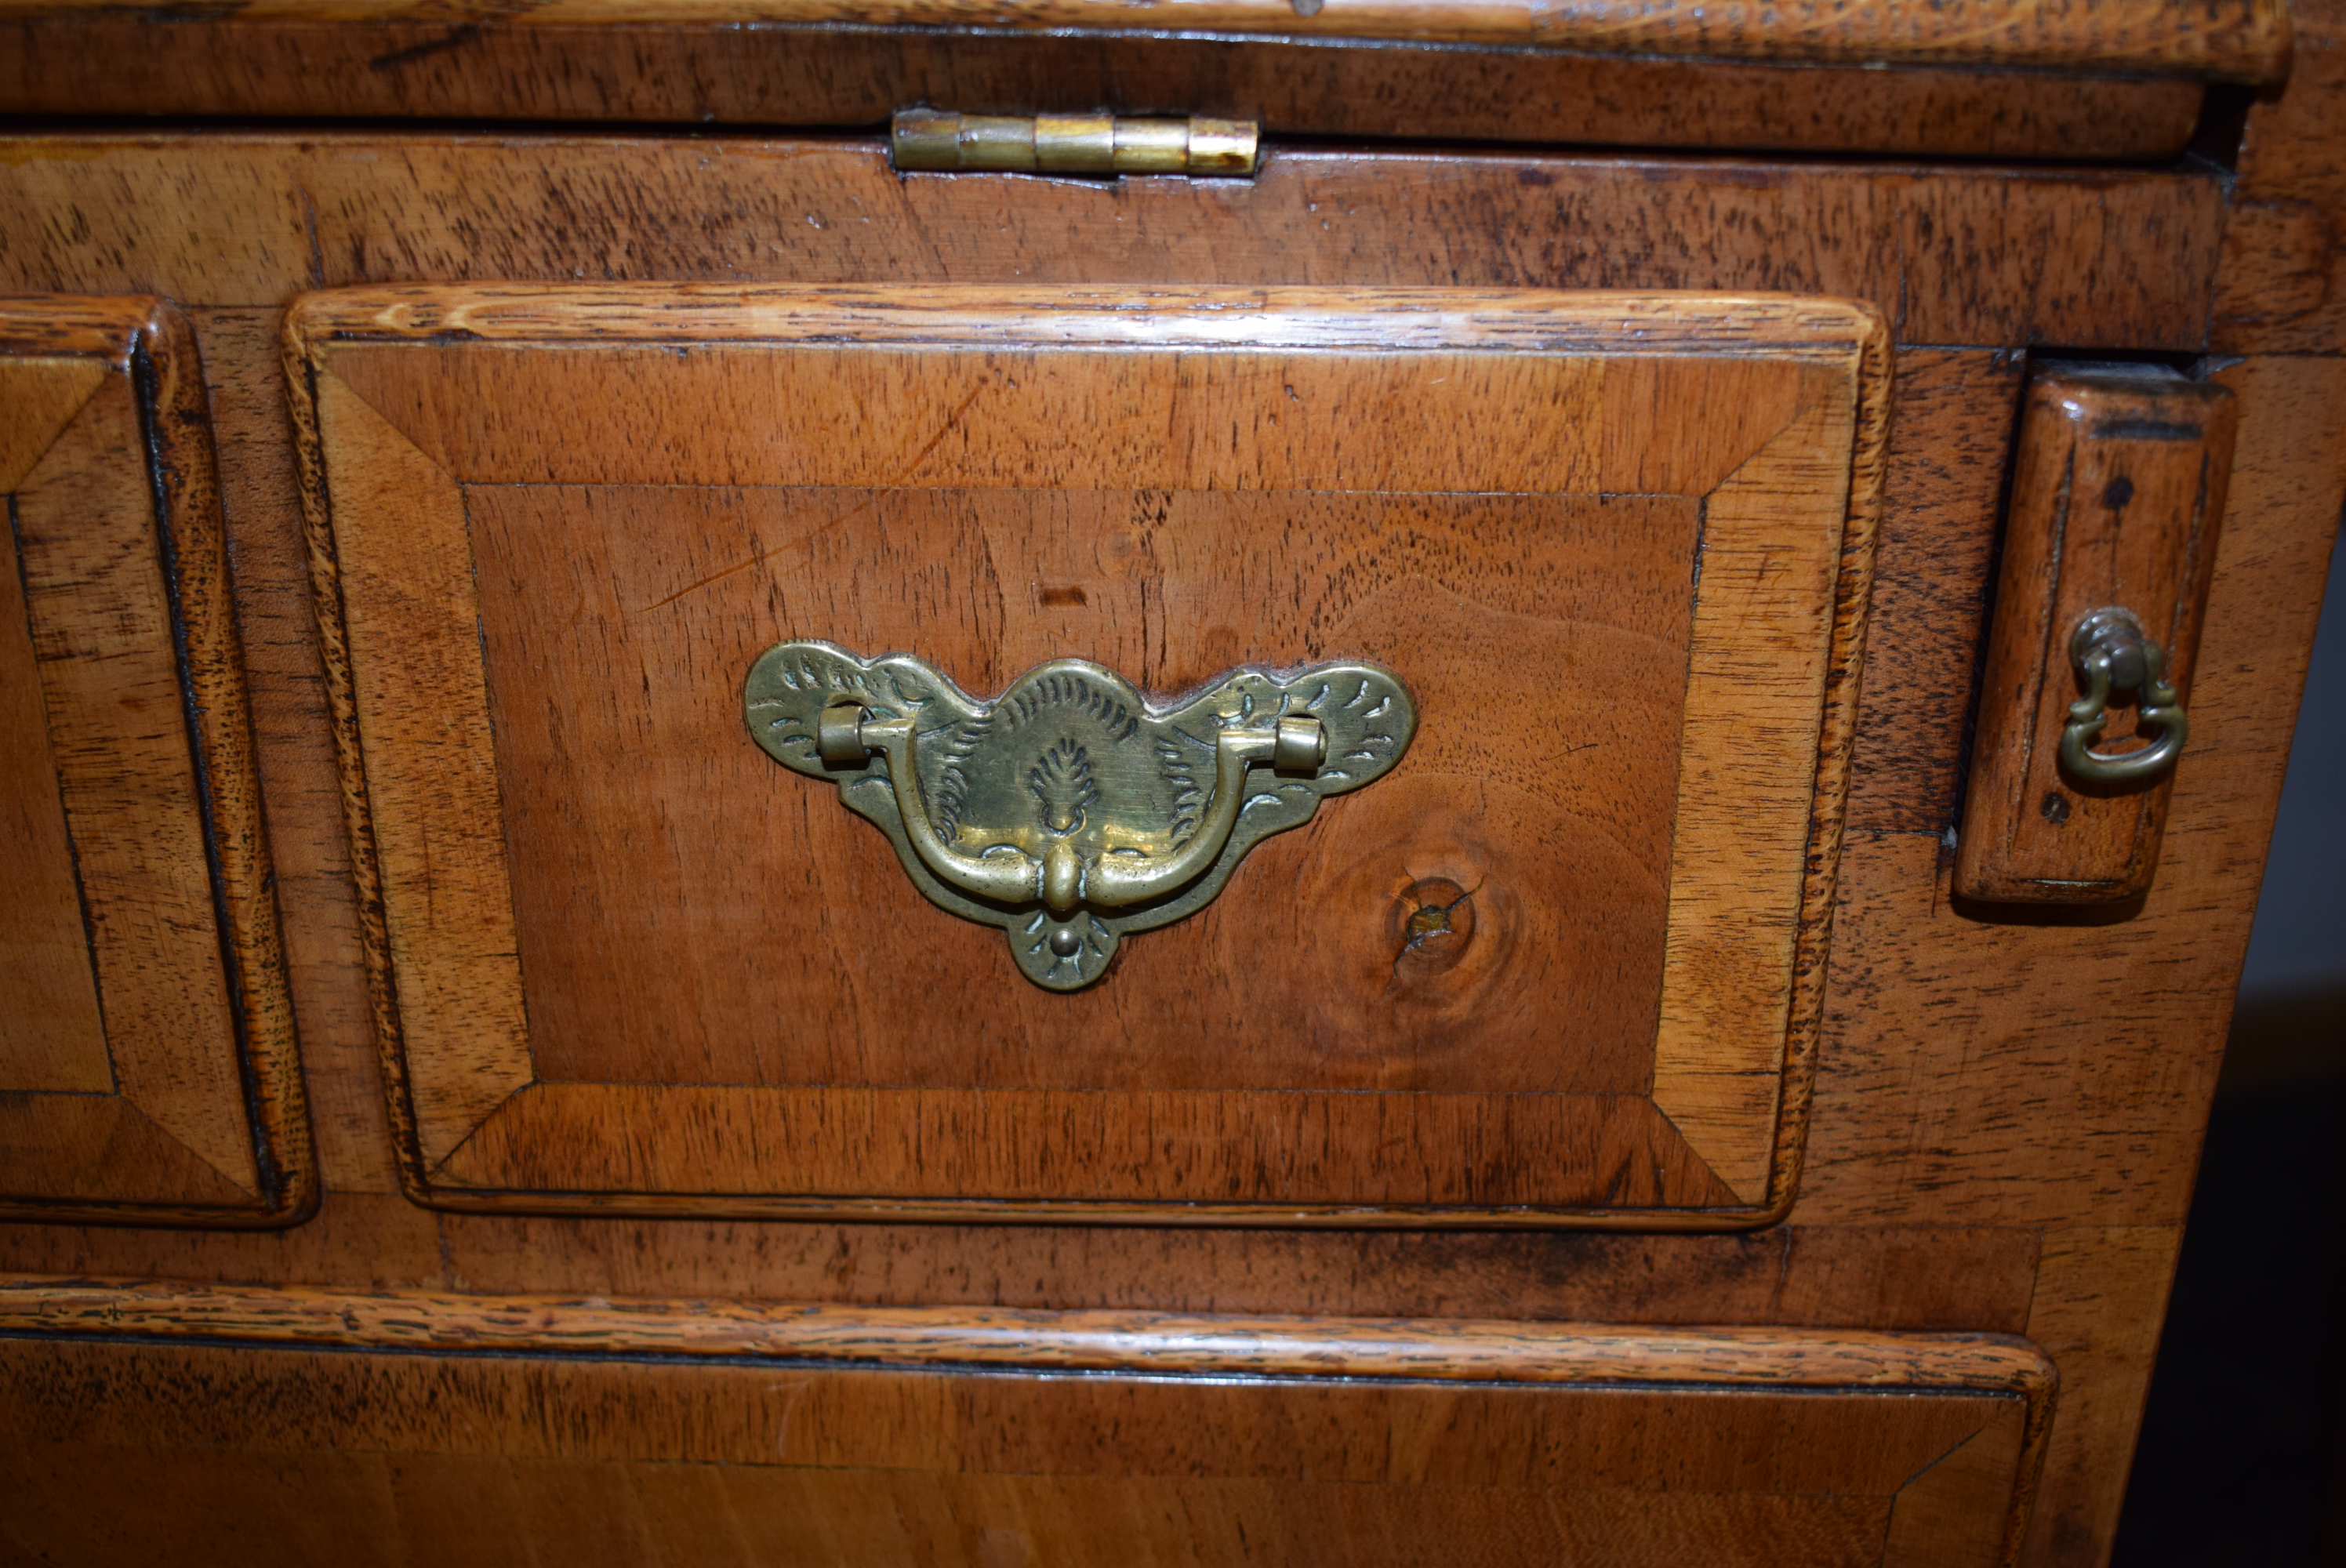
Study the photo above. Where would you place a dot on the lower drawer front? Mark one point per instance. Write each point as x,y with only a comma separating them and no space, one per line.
958,1436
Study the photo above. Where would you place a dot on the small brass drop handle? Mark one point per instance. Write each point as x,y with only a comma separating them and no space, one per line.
1063,878
2112,654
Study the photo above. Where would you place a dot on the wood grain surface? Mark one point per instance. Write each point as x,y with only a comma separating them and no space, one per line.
248,62
657,1008
285,677
2277,282
2239,40
1329,1346
1949,457
1972,1511
169,1089
2118,493
98,604
2108,1089
1925,1278
52,1038
1170,588
263,216
2007,1113
403,1457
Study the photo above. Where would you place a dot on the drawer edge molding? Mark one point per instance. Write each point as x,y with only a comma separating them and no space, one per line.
1448,1350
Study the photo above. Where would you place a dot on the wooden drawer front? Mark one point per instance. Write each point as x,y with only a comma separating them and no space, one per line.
1559,966
853,1436
146,1062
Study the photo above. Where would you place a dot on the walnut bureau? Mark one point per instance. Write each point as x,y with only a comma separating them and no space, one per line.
1204,781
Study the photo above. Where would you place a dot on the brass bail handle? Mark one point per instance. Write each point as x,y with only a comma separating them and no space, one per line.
1070,811
2111,654
1064,879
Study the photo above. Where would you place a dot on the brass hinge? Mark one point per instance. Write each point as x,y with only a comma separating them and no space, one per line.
1072,143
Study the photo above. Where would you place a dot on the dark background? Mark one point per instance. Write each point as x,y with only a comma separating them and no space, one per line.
2242,1457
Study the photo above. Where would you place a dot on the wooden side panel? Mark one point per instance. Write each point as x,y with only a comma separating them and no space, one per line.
2102,1289
2084,1047
2101,1302
396,1509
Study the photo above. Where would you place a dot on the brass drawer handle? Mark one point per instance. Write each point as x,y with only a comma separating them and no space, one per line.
1068,811
2111,654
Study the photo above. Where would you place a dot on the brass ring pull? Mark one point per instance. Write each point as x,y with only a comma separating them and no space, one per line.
2111,654
1068,811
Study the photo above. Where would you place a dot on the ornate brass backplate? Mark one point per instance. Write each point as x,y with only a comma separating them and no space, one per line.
1068,811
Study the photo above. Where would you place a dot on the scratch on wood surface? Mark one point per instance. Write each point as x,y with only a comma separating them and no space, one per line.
902,474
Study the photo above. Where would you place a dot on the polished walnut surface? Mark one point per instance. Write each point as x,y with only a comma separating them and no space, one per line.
626,956
2007,1106
2239,40
1320,1441
1969,78
147,1052
124,63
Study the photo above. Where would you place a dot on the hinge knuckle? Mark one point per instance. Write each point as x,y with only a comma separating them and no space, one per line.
943,141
